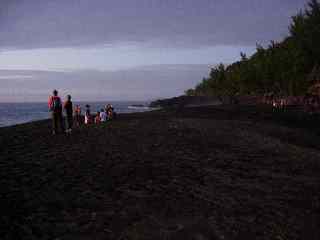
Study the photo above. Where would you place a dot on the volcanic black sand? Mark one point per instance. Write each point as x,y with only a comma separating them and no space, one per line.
199,173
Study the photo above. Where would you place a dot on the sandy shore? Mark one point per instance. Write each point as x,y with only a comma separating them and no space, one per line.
200,173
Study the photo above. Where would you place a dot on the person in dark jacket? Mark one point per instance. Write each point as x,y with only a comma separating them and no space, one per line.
69,114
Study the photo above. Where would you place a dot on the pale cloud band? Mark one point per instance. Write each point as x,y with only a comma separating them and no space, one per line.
16,77
116,57
141,83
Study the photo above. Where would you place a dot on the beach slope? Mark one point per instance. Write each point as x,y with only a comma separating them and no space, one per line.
199,173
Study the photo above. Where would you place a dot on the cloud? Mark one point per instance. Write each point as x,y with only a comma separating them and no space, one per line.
13,77
115,58
141,83
178,23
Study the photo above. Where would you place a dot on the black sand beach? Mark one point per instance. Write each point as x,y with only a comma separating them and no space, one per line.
196,173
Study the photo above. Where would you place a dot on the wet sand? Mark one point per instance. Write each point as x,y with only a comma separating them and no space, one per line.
196,173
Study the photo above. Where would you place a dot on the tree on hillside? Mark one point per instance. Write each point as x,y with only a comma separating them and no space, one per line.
282,68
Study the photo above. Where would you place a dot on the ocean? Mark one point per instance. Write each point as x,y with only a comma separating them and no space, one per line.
17,113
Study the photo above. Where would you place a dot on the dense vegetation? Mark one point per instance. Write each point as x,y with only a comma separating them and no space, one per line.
287,68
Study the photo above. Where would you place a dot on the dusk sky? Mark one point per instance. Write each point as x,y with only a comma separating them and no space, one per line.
127,49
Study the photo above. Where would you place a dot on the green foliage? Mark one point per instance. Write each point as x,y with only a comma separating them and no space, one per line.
281,68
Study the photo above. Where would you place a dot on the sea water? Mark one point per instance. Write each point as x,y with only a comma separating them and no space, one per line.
17,113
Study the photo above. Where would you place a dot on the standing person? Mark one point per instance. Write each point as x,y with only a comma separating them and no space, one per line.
55,107
69,110
87,116
103,115
114,114
77,113
97,118
106,109
110,112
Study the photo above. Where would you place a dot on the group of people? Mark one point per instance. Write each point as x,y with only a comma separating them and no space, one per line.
310,103
103,115
56,107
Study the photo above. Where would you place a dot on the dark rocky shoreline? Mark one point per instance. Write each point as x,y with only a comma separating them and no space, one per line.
183,101
188,173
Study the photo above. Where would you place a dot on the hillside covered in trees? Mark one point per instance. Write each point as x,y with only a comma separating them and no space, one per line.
287,68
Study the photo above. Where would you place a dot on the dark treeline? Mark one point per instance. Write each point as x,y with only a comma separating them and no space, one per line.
287,68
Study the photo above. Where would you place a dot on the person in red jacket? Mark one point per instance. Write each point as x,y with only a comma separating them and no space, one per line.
55,107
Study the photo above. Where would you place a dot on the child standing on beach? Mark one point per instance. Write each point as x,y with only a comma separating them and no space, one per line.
69,110
103,116
109,111
97,118
77,113
87,116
